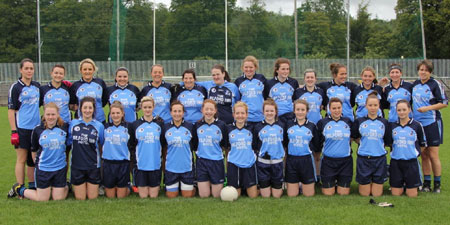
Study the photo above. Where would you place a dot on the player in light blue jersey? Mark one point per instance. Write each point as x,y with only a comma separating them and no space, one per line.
337,162
56,91
428,97
408,141
191,96
367,86
251,87
313,94
179,137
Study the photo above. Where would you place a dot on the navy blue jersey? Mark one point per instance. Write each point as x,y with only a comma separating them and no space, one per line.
303,139
25,101
281,93
145,141
128,96
269,140
162,96
335,136
211,138
429,93
60,96
391,96
225,96
407,140
315,100
116,142
192,101
50,145
180,143
252,94
96,88
343,92
241,151
86,140
374,134
360,94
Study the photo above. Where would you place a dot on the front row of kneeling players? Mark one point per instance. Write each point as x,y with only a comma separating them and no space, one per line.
255,152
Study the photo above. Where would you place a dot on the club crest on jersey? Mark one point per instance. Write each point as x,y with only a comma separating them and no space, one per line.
291,131
364,125
169,134
243,85
44,136
25,93
227,93
394,133
264,131
390,96
360,97
94,132
81,89
329,127
49,95
345,126
201,131
115,96
76,128
108,131
183,95
186,133
232,135
217,132
275,89
140,130
382,127
99,88
411,133
308,132
213,90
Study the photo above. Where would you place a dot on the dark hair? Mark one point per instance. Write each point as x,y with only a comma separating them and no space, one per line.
271,102
122,68
191,71
176,102
373,95
278,63
333,100
58,66
301,101
24,61
427,63
394,66
85,100
222,69
334,68
404,101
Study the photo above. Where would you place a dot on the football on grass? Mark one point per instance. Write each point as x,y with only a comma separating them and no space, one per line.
228,194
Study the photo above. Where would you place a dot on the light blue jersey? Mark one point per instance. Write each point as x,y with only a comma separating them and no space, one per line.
241,152
116,142
426,94
343,92
50,145
179,141
252,94
281,93
407,140
60,96
192,101
392,95
211,138
96,88
270,140
25,101
128,96
162,96
335,137
374,134
303,139
315,101
360,95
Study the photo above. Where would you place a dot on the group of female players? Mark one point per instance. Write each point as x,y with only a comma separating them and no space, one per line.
270,132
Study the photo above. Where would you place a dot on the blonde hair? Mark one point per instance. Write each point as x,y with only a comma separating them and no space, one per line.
59,121
251,59
118,105
240,104
87,60
147,99
157,65
370,69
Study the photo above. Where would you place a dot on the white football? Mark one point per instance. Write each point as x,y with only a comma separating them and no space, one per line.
228,194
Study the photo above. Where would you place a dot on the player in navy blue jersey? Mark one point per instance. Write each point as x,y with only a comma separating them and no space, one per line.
312,94
241,166
428,97
146,136
281,89
270,141
408,141
212,138
115,154
372,133
23,116
223,92
124,92
56,91
367,86
191,96
179,137
251,87
340,88
337,162
303,141
86,137
160,91
90,86
48,144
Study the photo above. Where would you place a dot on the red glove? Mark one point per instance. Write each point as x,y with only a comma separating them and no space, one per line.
14,138
67,83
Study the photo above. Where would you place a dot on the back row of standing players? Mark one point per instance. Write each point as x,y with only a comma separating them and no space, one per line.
426,94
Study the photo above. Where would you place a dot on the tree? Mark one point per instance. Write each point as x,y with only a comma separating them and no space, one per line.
436,15
360,31
408,39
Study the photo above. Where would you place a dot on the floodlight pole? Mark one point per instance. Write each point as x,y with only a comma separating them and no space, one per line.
154,30
118,31
348,36
226,35
39,40
296,36
423,31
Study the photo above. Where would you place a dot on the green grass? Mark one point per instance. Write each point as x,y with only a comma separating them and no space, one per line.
428,208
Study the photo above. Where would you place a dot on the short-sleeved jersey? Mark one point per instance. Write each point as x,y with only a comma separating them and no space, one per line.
116,142
429,93
180,142
303,139
281,93
392,95
407,140
269,140
315,100
60,96
360,95
211,138
96,88
374,134
145,143
50,145
86,140
343,92
25,101
192,101
335,136
128,96
241,151
252,94
162,96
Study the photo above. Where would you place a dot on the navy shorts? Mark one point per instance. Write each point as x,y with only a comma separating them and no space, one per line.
25,143
371,169
210,170
147,178
270,175
116,173
300,169
405,172
241,177
173,178
45,179
78,177
336,170
434,133
286,117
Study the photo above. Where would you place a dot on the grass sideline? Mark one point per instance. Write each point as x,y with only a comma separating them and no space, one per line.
427,208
